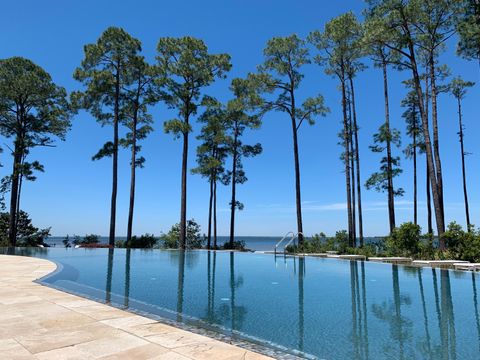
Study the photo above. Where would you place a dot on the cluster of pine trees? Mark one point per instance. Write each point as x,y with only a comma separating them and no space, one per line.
119,88
408,36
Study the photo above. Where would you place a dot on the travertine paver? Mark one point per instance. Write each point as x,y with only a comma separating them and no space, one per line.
38,322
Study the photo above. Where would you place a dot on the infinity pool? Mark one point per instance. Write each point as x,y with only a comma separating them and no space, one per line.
315,308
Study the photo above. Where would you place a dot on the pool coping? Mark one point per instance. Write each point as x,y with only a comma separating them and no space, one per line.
242,340
422,264
22,292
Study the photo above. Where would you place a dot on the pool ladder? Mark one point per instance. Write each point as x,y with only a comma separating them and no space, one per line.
292,239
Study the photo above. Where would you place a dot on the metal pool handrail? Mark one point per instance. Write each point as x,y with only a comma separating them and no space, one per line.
278,243
291,240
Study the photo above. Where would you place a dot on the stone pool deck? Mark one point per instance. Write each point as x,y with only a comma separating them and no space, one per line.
38,322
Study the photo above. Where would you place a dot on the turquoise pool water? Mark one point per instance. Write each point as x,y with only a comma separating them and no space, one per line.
321,308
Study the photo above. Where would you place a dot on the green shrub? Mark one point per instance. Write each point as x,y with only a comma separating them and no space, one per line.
3,242
426,250
340,241
27,234
367,250
237,245
66,241
77,240
146,241
91,239
462,245
404,240
319,243
194,240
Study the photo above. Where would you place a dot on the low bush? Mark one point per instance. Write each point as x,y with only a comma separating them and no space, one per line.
146,241
320,243
194,240
404,240
237,245
91,239
367,250
461,244
27,233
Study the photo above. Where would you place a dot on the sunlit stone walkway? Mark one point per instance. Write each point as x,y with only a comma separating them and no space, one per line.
37,322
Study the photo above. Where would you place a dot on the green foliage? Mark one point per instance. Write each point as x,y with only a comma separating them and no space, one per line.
468,28
185,67
27,234
280,76
146,241
106,72
319,243
458,87
368,250
141,93
464,245
33,111
379,180
340,45
103,72
212,152
237,245
193,239
42,106
107,150
91,239
404,240
176,127
239,117
414,124
66,241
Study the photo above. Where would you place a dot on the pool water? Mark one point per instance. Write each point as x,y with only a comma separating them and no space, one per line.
318,308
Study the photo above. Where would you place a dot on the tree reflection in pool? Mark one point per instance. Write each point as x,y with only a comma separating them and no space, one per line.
320,308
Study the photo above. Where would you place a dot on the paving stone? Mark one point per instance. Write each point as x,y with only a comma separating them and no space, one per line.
38,322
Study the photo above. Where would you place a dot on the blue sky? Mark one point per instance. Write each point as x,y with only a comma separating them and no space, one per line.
73,194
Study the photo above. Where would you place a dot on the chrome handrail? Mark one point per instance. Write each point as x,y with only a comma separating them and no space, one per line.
278,243
292,239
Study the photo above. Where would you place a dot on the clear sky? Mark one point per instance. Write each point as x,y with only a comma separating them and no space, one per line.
73,194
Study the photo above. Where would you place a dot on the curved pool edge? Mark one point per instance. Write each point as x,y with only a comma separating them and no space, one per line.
24,275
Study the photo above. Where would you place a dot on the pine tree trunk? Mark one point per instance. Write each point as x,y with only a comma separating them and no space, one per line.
391,196
352,170
428,148
17,158
132,174
346,162
429,200
357,160
234,187
415,190
20,183
113,204
183,200
464,176
298,197
215,210
436,143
